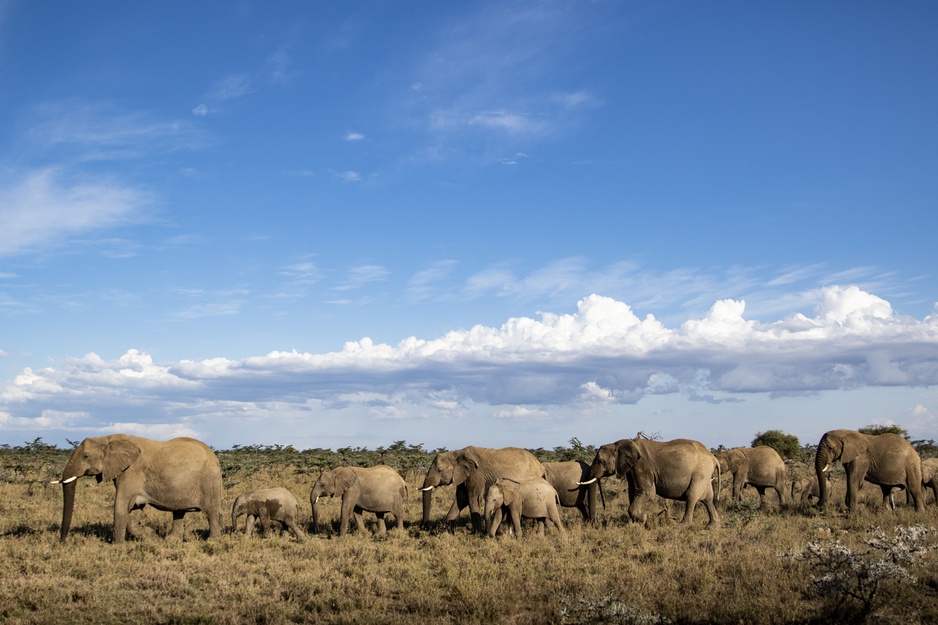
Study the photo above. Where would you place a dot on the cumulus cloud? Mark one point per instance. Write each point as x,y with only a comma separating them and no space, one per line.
601,354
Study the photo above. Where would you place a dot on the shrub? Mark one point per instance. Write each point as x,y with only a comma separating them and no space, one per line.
787,445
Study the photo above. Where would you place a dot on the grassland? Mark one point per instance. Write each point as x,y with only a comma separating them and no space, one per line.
608,572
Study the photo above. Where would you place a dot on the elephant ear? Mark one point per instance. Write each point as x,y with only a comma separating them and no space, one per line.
465,465
626,457
119,454
853,447
344,480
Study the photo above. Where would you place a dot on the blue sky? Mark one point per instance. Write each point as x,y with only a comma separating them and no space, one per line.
491,223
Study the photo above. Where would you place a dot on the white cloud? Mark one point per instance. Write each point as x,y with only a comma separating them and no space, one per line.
348,176
231,87
42,207
602,354
354,136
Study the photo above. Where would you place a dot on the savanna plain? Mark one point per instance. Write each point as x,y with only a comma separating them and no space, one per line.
793,565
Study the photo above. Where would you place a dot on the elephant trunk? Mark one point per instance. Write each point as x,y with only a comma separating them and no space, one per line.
489,513
315,514
821,464
427,504
68,504
235,513
70,475
591,499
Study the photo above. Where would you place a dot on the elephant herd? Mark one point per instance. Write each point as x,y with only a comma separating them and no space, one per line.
183,475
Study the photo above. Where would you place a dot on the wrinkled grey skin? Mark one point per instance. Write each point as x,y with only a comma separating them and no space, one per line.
680,469
930,477
530,499
887,460
266,505
377,489
180,475
760,467
473,470
566,478
804,489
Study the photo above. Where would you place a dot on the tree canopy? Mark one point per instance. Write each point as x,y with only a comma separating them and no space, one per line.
787,445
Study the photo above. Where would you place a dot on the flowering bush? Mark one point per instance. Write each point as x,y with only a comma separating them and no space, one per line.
847,575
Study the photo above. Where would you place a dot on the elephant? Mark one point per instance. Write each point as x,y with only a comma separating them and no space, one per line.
566,478
378,489
930,477
887,460
680,469
472,470
530,499
179,475
760,467
804,489
267,504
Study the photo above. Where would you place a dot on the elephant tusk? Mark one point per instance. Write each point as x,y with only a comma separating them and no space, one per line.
427,489
56,482
68,481
316,500
826,468
588,482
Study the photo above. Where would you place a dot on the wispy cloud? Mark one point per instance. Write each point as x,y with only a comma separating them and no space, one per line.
85,131
45,207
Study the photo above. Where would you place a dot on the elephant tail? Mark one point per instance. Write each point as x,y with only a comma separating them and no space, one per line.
719,478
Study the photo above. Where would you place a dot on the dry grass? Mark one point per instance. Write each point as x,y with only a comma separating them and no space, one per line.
613,572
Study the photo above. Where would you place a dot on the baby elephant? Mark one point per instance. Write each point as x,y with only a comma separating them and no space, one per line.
531,499
804,489
267,504
377,489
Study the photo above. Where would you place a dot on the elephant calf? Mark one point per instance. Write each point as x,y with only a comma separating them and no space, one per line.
807,487
531,499
267,504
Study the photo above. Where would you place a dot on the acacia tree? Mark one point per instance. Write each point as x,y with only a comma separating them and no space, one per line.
787,445
885,429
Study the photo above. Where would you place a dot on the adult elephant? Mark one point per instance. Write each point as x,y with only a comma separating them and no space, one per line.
473,469
180,475
760,467
567,479
378,489
680,469
930,477
887,460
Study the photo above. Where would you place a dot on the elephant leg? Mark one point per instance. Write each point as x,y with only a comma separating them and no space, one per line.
637,506
382,526
359,519
738,483
290,522
264,517
179,525
711,512
121,519
249,526
541,524
761,491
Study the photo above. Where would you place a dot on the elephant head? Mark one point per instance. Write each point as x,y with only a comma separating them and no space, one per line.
843,445
105,457
617,458
449,467
332,483
494,500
